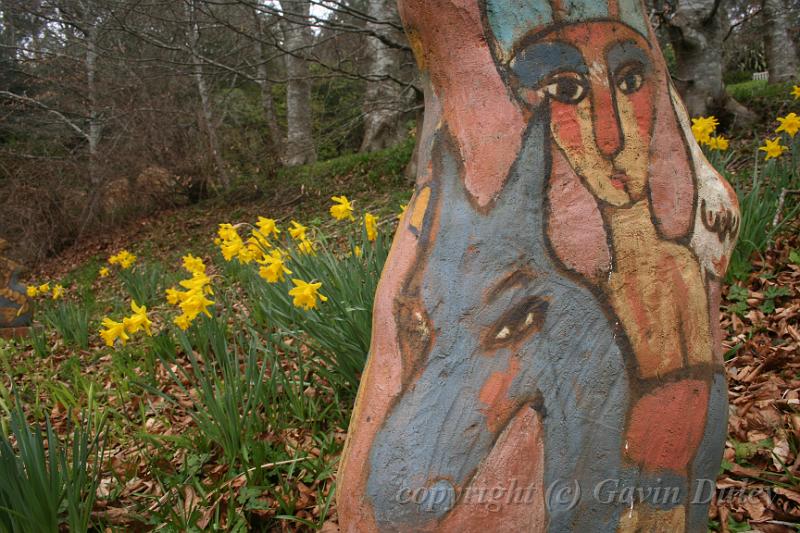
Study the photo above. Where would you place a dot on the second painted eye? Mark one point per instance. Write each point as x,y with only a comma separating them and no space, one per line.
567,87
629,78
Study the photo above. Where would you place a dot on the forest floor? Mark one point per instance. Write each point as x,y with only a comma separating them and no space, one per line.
160,473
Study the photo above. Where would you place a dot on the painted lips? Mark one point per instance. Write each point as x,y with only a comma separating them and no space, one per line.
619,180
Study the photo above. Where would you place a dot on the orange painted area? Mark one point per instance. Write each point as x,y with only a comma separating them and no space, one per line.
494,394
666,426
478,109
508,488
420,208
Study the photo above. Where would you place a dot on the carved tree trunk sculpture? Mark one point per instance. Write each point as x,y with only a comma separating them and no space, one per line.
15,310
546,348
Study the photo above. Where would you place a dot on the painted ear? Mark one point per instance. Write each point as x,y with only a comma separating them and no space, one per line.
478,108
672,179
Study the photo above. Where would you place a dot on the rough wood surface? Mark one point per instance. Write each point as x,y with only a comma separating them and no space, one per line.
546,347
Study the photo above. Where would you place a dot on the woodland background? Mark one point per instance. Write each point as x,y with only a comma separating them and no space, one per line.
113,109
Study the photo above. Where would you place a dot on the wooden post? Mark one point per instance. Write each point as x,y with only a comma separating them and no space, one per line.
15,313
546,345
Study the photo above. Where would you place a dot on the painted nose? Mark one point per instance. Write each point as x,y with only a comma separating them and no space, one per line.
607,130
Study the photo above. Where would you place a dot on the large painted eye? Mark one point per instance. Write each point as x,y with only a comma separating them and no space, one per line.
566,87
630,77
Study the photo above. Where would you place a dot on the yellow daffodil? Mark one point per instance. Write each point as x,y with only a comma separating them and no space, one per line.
796,92
183,322
297,231
790,124
113,331
58,292
273,267
173,296
268,227
44,288
231,247
341,209
193,264
227,232
306,295
195,304
357,251
306,247
104,272
773,148
124,259
32,291
371,225
718,142
703,127
198,282
138,320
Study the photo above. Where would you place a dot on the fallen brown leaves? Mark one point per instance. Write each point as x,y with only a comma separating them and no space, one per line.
760,485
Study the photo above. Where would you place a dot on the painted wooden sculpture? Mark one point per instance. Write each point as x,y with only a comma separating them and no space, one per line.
15,312
546,350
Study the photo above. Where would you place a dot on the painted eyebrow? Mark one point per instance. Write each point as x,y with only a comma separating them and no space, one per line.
534,63
624,52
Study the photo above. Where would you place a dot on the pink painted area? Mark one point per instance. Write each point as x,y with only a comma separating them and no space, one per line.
672,189
575,226
666,426
478,108
380,385
508,488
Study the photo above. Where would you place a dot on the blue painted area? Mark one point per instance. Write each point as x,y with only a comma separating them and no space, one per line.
583,10
538,61
709,455
510,20
437,434
631,13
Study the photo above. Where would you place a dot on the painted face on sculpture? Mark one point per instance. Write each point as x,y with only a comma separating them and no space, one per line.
599,82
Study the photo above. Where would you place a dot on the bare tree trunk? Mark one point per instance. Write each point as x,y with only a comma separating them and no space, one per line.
221,181
385,98
697,29
781,56
300,148
267,103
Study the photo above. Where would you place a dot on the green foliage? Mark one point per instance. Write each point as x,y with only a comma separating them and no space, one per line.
758,204
47,484
362,171
145,283
737,77
70,319
771,295
341,328
227,386
765,99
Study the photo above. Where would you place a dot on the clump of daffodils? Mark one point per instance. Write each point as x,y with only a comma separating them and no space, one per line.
193,300
44,290
113,331
703,129
123,259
